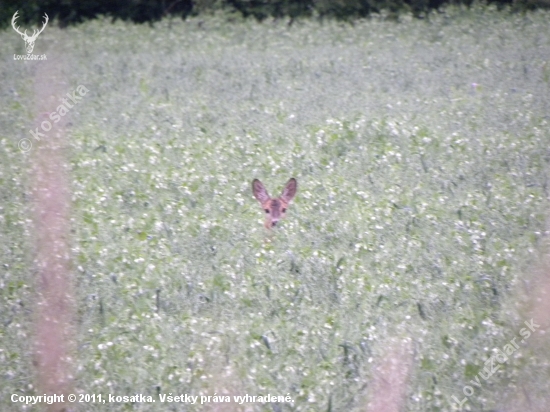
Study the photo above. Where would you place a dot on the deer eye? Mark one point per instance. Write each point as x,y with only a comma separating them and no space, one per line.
284,210
266,210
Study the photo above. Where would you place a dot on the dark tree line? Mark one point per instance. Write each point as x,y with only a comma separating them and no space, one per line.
67,12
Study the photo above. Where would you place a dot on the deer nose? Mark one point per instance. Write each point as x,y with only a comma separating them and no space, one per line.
274,223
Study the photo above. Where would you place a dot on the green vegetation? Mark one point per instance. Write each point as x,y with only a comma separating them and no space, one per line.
421,151
150,11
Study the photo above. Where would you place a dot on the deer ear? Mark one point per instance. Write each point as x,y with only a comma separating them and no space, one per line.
290,190
259,191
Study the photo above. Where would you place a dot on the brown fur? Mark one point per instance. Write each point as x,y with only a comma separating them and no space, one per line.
274,208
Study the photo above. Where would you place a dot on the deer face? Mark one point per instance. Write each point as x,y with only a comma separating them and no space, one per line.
274,208
29,40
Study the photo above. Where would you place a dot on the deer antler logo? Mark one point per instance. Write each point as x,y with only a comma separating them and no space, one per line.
29,40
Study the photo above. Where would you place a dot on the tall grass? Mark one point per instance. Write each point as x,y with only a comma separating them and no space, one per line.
422,155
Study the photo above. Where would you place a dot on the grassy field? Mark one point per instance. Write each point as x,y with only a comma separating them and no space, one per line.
422,154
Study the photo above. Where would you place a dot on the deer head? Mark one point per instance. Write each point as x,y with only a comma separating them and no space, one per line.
274,208
29,39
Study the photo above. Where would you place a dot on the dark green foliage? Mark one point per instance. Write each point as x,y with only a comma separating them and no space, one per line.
71,11
262,9
141,11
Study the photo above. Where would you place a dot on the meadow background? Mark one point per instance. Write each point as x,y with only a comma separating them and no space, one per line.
422,154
